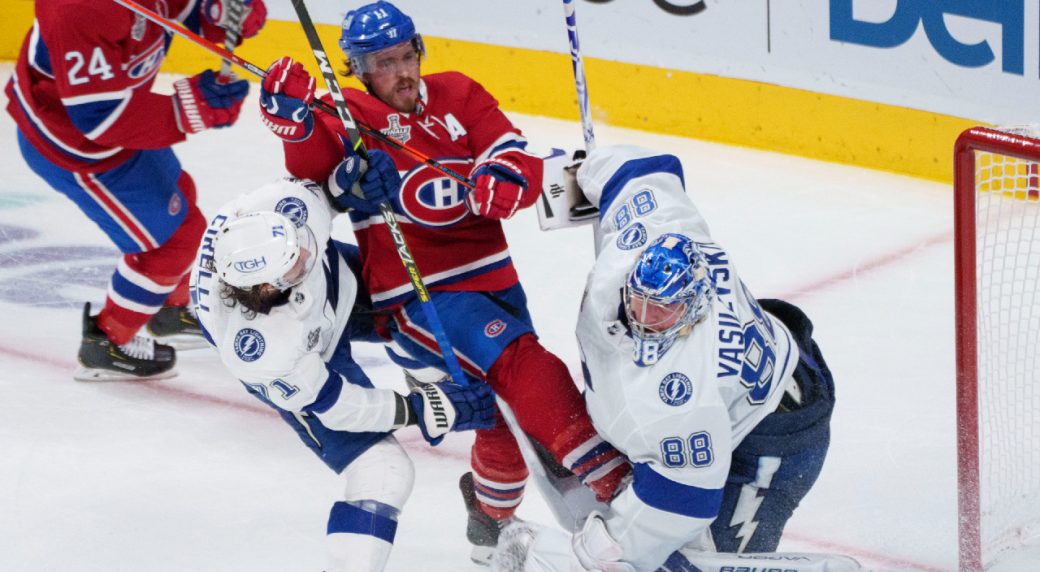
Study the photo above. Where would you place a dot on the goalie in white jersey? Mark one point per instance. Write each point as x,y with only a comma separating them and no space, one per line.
277,297
721,402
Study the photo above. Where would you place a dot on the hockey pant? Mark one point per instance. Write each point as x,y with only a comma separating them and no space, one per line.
777,463
494,341
146,206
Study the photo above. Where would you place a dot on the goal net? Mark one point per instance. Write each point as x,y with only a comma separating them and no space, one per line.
997,268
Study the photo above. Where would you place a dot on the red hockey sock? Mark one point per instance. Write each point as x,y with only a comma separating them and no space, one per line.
154,271
499,472
549,408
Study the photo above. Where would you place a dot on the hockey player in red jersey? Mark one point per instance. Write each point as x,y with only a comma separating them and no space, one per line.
91,127
456,237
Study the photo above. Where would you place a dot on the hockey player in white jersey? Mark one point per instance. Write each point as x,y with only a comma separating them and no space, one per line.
276,296
721,402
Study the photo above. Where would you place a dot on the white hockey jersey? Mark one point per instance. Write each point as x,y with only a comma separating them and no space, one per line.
678,420
283,354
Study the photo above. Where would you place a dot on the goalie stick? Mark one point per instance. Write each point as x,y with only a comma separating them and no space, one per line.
252,68
562,204
405,253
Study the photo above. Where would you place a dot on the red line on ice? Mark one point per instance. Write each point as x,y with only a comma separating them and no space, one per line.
869,266
411,441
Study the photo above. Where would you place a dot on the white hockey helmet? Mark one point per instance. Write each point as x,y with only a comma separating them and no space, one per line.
264,248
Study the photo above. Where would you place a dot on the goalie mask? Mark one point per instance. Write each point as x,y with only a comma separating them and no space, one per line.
668,291
373,28
264,248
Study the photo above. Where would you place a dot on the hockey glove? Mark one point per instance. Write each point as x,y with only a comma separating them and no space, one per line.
596,549
285,97
499,187
216,17
443,407
362,186
203,102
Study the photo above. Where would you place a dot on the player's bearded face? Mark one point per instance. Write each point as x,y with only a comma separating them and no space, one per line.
393,76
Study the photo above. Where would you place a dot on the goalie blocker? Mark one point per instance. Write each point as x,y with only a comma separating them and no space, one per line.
562,204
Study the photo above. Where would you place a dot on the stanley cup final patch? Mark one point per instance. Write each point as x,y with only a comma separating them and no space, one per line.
396,131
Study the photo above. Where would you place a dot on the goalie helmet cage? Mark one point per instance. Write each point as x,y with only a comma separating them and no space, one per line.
997,269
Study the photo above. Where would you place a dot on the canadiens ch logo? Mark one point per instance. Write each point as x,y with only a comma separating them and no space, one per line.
494,328
249,344
396,131
676,389
146,64
174,206
430,198
293,209
632,237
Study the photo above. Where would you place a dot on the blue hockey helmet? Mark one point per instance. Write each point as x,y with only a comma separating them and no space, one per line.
668,291
374,27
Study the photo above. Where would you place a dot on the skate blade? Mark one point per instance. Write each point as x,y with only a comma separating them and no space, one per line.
95,374
182,342
482,555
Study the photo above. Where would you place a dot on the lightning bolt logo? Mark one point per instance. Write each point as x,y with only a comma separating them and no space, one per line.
745,513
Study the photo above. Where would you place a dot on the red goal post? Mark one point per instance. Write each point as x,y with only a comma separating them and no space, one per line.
997,276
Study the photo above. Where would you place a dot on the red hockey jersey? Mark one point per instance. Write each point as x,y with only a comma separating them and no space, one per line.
81,91
459,125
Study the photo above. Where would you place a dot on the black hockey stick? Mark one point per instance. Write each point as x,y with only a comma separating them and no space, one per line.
388,213
252,68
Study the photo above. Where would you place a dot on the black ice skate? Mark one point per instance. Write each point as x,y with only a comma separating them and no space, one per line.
482,530
139,359
177,326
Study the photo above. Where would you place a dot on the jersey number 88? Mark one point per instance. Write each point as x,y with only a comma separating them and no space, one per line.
695,451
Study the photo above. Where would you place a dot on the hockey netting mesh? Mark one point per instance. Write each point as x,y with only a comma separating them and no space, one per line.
1007,209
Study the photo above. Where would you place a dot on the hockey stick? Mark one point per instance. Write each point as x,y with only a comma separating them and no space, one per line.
555,498
583,208
392,224
232,34
180,30
562,204
578,65
684,560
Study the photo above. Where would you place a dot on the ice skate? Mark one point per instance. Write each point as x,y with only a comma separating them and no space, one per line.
482,530
177,326
139,359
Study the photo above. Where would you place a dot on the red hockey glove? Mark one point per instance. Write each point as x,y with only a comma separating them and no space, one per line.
216,17
499,187
204,102
285,96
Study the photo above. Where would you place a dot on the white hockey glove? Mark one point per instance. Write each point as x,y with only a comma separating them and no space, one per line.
596,549
562,203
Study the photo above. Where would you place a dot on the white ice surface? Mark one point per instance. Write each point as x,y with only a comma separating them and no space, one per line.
194,474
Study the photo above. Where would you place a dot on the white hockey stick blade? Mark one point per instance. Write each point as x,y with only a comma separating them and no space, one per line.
570,501
562,204
698,561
